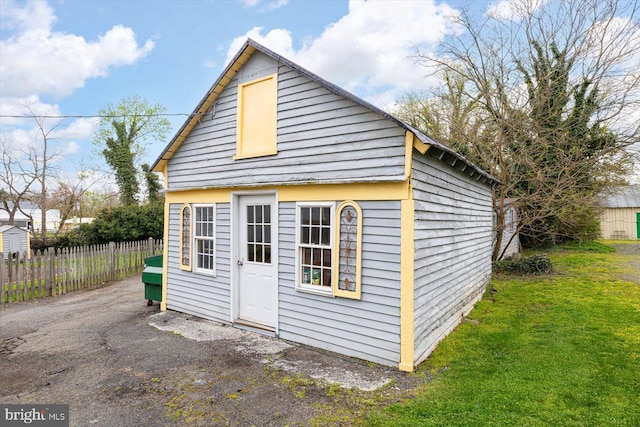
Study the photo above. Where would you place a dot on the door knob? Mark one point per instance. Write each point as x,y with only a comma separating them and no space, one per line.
240,262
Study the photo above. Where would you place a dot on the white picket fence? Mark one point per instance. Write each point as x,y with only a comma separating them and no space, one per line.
36,274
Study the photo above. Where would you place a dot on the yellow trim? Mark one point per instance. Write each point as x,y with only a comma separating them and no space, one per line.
256,154
256,118
409,137
28,245
182,209
165,256
204,106
407,327
336,256
165,176
420,146
299,193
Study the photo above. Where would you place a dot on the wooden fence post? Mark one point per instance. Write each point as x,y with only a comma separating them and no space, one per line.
112,263
25,278
3,280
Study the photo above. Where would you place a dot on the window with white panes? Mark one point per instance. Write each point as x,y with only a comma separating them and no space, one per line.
259,234
204,238
315,231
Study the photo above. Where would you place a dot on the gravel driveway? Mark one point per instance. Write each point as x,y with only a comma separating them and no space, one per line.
117,362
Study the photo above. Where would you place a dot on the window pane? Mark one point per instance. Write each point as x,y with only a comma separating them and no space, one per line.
304,234
317,256
267,234
250,252
306,256
306,275
315,276
315,236
250,215
267,214
326,216
258,253
250,233
326,236
258,233
326,277
258,214
304,217
267,254
326,257
315,216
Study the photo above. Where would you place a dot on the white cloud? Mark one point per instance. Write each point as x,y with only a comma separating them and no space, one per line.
369,50
36,59
277,4
250,3
33,16
512,10
12,106
267,6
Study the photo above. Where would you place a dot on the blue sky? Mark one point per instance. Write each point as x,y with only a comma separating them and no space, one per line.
72,57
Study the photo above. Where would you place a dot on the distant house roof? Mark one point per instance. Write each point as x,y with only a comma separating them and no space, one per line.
436,149
623,197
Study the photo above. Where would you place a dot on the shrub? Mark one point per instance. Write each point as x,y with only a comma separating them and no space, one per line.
119,224
535,264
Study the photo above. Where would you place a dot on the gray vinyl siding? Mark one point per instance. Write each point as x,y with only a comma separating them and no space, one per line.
453,242
368,328
321,136
199,294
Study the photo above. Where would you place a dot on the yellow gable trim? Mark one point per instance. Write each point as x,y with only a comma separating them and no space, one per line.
204,106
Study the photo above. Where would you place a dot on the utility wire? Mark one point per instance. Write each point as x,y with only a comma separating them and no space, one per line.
110,116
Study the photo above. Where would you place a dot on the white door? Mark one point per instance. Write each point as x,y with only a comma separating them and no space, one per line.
256,260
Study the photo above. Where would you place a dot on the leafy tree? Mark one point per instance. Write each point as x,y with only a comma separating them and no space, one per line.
541,97
152,182
123,134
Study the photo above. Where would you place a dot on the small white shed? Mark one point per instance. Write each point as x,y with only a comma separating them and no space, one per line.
13,239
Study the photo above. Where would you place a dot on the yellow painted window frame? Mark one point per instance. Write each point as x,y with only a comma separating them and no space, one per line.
187,266
356,293
271,110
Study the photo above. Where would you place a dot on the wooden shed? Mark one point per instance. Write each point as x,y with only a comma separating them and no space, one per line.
620,217
296,208
13,240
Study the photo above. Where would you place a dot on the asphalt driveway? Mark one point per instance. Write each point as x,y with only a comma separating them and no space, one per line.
118,362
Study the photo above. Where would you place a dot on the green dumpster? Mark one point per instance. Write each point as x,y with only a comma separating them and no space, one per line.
152,278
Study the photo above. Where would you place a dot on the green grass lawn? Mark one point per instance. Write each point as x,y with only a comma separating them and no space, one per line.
561,349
